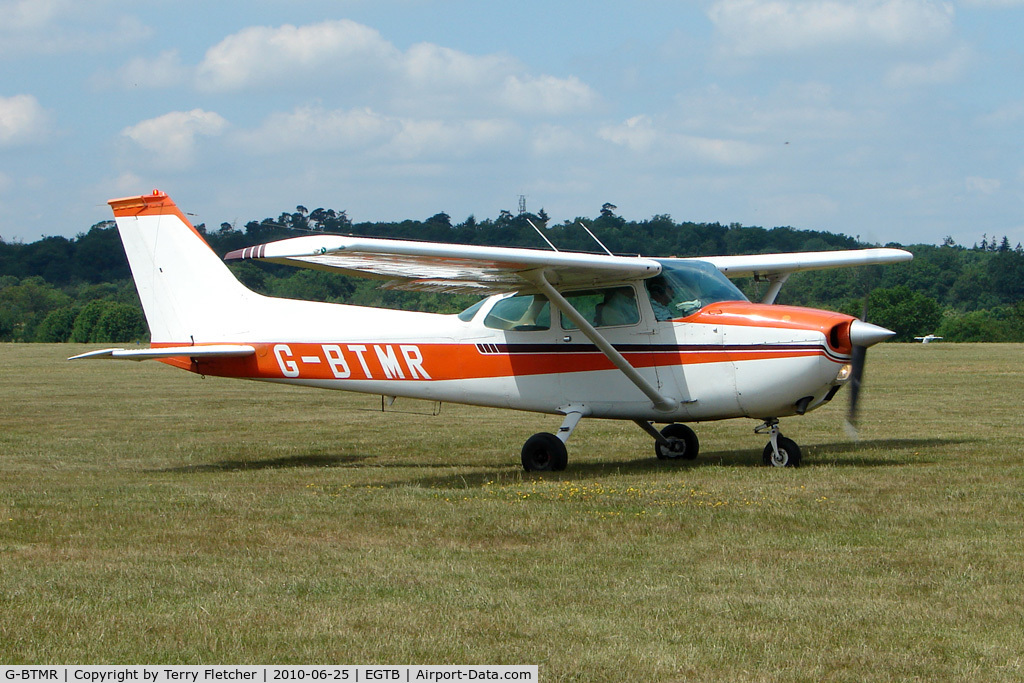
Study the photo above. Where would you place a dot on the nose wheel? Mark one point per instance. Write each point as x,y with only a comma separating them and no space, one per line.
780,451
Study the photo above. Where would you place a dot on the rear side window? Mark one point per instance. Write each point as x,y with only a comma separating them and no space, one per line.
604,307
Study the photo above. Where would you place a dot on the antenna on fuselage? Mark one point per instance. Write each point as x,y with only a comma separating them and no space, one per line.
541,234
592,235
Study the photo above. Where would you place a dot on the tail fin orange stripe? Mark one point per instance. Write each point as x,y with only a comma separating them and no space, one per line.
156,204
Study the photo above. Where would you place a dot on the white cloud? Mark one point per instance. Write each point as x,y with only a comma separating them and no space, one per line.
22,120
160,72
639,135
636,133
437,139
759,27
546,95
549,140
262,55
28,15
810,110
311,128
373,135
64,27
948,69
426,65
171,139
424,77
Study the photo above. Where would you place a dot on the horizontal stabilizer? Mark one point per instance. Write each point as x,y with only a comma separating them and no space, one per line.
205,351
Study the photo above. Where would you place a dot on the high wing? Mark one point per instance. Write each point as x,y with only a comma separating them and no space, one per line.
433,266
768,265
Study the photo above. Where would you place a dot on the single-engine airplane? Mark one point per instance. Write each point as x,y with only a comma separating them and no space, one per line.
927,339
655,341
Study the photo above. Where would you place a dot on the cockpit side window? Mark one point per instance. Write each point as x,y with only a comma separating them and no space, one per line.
604,307
684,287
521,313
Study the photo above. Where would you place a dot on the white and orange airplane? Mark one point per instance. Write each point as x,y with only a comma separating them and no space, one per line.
655,341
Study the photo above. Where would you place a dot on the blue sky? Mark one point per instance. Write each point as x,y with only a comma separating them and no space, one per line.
892,120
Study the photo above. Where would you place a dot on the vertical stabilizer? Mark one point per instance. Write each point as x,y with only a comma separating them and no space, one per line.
187,292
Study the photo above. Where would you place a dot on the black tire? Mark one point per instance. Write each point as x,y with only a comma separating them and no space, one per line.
789,454
544,452
684,441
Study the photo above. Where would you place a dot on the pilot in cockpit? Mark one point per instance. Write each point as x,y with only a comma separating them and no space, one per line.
661,297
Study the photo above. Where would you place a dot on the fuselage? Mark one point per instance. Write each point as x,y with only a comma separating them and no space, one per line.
727,359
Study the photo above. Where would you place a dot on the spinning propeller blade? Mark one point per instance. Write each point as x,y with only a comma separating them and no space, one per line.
857,359
862,335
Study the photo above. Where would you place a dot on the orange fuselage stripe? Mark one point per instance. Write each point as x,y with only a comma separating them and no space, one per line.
420,362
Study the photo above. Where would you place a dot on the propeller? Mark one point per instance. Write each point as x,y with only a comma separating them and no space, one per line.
862,335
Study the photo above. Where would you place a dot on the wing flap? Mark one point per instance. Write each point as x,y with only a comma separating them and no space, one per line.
205,351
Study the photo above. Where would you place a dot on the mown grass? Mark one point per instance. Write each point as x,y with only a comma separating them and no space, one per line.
150,516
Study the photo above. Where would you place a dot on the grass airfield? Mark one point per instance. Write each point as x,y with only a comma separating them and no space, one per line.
151,516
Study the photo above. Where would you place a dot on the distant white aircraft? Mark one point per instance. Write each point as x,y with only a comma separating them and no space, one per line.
927,339
579,335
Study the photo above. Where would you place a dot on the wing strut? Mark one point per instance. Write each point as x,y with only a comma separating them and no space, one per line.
776,280
661,402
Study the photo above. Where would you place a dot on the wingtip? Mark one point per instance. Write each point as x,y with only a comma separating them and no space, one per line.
101,353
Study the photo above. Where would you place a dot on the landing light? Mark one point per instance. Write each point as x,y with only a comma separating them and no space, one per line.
844,372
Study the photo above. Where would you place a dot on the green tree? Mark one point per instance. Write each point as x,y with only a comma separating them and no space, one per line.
57,326
85,322
905,312
24,304
119,323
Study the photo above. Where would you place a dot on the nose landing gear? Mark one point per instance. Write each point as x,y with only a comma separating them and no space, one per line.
780,451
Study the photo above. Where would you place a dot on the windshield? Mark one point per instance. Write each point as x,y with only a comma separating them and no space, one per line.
685,287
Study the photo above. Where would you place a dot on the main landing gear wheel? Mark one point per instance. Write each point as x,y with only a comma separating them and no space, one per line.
544,452
788,456
683,443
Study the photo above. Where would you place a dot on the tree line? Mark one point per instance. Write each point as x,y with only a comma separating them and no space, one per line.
79,289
